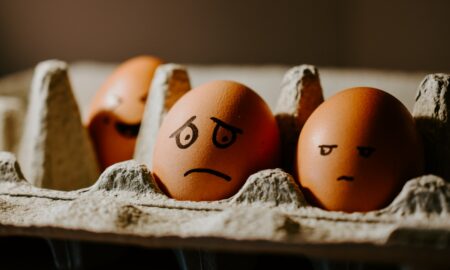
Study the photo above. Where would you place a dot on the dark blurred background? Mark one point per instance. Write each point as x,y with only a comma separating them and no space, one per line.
407,35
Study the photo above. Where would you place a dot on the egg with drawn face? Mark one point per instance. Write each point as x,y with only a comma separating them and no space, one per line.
116,112
357,150
212,139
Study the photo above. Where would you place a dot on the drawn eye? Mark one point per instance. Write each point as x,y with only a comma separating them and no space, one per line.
365,151
326,149
186,135
143,99
224,134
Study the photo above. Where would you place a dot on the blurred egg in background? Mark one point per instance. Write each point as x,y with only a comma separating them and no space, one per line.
117,109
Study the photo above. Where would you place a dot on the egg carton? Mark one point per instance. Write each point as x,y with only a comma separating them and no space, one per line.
54,190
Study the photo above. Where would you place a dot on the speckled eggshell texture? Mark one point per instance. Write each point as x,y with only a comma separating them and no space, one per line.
357,150
116,112
212,139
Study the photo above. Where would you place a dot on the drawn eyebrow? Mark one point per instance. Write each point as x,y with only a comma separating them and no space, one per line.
188,122
227,126
328,145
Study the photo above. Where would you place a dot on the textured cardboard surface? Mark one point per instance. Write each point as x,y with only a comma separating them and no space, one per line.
431,112
301,93
11,115
55,150
269,213
125,206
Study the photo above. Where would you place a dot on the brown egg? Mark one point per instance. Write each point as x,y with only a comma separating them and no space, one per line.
356,151
116,111
212,139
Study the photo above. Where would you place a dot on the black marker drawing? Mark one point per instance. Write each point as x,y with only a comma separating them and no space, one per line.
365,151
325,149
210,171
224,141
345,178
190,135
128,130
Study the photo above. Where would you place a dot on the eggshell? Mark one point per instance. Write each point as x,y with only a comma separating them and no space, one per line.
212,139
116,112
356,151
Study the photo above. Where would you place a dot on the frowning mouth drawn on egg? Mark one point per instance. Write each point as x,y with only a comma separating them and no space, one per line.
128,130
345,178
210,171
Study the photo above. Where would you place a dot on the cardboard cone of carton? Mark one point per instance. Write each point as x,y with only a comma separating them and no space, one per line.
301,93
431,112
55,150
170,82
11,114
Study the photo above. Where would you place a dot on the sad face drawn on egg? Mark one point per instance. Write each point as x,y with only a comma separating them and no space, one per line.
212,139
356,151
116,112
187,134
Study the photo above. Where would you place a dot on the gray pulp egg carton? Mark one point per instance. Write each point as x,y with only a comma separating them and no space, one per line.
61,195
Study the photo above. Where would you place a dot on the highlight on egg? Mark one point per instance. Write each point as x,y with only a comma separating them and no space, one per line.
357,150
212,139
116,112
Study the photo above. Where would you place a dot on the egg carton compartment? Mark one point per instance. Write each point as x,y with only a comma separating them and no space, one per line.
55,190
